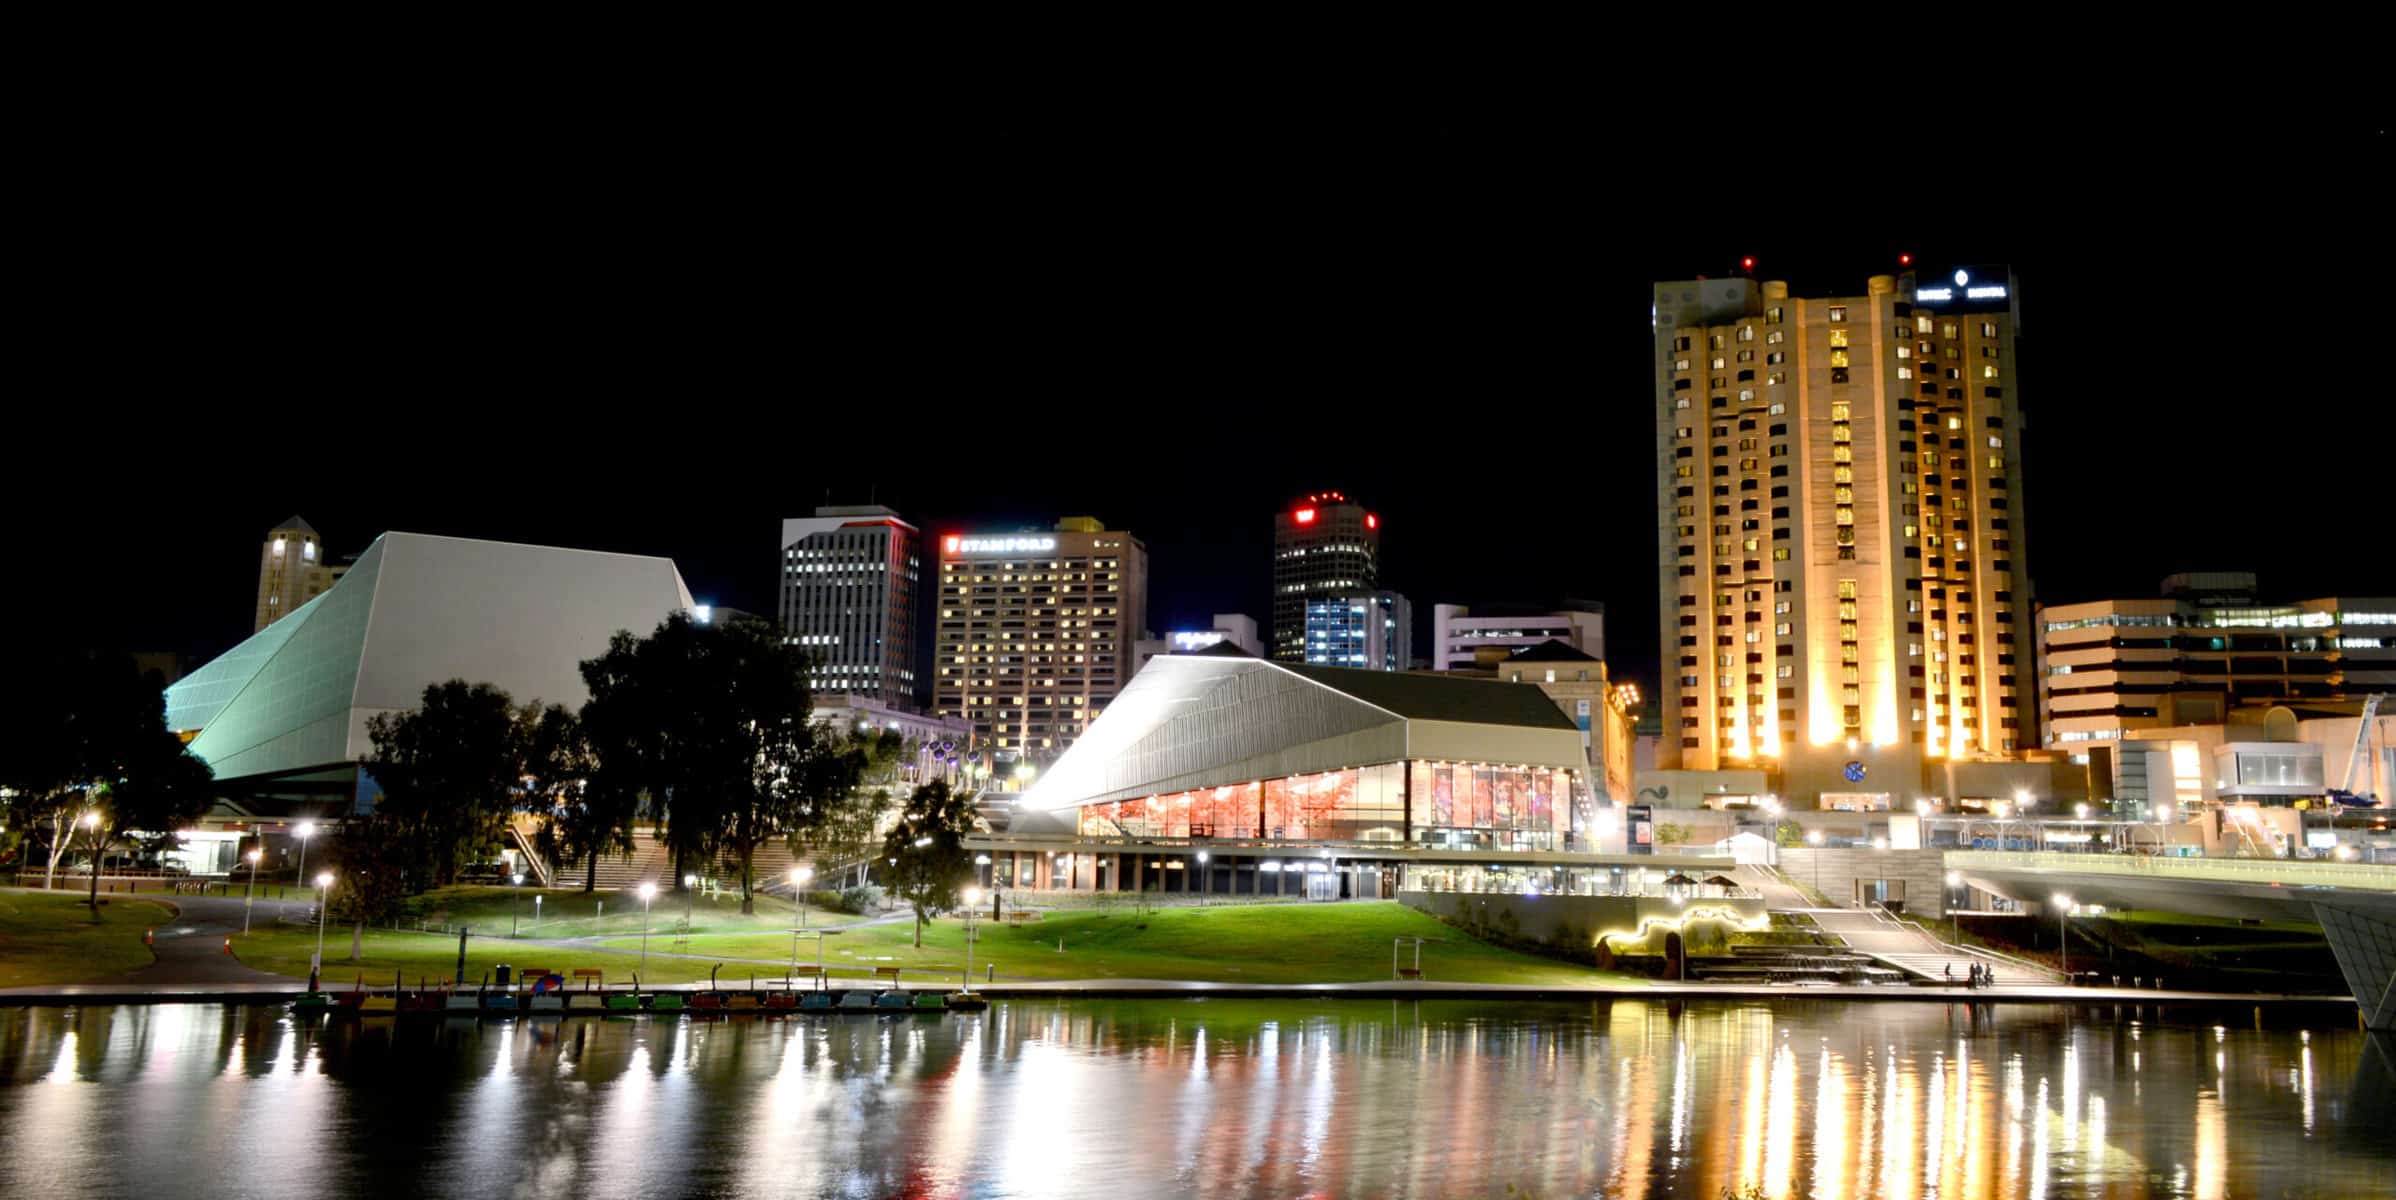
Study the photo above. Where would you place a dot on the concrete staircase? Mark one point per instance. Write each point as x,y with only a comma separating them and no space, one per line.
1911,949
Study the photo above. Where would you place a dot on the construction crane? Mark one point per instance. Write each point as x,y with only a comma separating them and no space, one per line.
2344,793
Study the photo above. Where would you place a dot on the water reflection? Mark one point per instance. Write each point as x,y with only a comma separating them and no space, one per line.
1203,1098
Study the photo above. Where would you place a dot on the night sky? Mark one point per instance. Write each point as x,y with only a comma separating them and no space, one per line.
630,337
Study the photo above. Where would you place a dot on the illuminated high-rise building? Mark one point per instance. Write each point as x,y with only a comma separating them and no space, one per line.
1369,630
850,577
1323,545
1843,585
291,571
1035,631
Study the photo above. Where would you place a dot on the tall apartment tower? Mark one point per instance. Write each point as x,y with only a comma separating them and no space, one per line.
291,571
1323,545
849,582
1036,631
1843,586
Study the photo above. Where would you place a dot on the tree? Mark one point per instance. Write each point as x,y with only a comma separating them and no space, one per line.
84,751
925,851
711,724
581,816
450,771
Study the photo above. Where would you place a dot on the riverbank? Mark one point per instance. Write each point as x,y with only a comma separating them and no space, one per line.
2339,1007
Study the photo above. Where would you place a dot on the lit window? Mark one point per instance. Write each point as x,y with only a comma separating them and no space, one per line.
1838,358
1838,313
1846,589
1838,337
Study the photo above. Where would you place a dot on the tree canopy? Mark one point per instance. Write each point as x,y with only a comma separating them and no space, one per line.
925,852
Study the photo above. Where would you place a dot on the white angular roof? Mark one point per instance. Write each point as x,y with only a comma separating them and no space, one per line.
1198,721
416,609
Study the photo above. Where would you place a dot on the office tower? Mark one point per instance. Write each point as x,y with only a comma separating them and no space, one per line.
1323,545
1843,583
1036,631
1369,630
850,576
1462,637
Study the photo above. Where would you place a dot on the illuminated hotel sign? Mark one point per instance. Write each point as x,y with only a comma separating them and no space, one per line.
1963,286
1021,544
1200,640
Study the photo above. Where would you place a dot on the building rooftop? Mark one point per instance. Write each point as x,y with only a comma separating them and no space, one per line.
1551,650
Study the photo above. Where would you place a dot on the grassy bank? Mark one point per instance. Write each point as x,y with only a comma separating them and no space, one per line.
571,912
285,951
52,937
1310,943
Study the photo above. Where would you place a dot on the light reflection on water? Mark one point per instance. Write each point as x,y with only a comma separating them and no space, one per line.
1202,1098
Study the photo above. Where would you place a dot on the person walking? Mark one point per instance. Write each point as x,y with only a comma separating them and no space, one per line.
1948,969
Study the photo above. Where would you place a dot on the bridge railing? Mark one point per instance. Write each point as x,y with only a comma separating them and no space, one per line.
2294,872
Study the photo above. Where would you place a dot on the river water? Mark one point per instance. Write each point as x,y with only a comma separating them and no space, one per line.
1123,1098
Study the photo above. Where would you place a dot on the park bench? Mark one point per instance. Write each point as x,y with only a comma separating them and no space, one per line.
889,973
590,977
1410,972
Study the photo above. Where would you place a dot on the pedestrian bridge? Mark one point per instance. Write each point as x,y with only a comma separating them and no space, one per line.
2354,903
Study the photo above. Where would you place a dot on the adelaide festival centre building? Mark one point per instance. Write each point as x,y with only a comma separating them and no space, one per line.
1230,774
282,717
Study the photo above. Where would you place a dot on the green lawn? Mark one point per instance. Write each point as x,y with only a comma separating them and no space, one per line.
285,951
1310,943
50,937
570,912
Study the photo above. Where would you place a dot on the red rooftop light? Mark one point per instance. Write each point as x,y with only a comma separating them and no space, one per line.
1747,264
1905,260
1371,521
948,545
1305,516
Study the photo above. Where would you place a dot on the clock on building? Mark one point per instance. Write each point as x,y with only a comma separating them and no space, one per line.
1854,772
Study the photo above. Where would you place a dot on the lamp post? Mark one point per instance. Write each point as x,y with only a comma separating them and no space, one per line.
1814,838
798,883
983,860
1206,878
305,830
324,890
690,896
536,910
2063,929
249,893
515,891
648,893
1954,927
91,824
973,904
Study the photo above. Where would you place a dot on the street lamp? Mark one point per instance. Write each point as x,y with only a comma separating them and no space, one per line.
973,902
648,893
1205,878
305,830
324,890
1954,925
798,883
690,896
91,823
1814,839
249,892
983,861
512,897
536,910
2063,927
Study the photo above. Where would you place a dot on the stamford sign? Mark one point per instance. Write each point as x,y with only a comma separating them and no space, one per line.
1017,544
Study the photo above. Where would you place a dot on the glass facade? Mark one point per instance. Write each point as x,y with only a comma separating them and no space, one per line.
1436,804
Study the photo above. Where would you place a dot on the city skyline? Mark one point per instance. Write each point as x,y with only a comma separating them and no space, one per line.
1510,458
